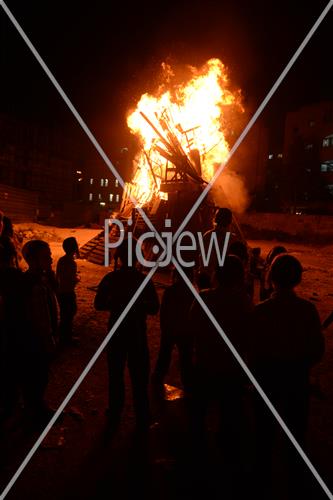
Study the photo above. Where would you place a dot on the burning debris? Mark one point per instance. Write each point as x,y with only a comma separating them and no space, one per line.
183,133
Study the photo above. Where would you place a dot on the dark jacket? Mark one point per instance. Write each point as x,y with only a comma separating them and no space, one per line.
232,309
41,312
287,337
117,289
175,307
12,311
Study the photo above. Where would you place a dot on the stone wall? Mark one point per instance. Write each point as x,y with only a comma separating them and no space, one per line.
308,228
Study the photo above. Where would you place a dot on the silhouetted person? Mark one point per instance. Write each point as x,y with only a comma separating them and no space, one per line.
217,375
7,235
7,229
175,306
40,328
222,225
256,262
67,278
287,342
240,249
11,328
266,287
129,342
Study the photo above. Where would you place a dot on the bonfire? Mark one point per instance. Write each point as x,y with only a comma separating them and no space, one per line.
182,130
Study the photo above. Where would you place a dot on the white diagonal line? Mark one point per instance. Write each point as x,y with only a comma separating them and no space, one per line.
78,117
143,214
253,380
195,293
199,200
76,385
255,116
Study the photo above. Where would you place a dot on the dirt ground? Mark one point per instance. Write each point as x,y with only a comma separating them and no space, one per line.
78,460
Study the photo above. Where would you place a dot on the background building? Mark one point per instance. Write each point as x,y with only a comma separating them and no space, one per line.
308,156
47,176
34,158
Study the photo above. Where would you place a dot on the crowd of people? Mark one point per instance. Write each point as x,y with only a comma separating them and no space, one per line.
30,303
279,339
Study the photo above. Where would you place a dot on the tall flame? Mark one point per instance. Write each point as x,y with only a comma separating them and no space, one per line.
196,111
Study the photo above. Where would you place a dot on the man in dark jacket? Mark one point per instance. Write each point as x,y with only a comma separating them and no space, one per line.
217,375
38,339
12,327
287,342
175,306
129,342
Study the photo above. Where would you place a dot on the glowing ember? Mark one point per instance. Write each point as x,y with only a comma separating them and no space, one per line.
195,114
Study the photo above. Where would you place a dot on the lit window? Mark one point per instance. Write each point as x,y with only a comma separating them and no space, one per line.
91,181
99,196
270,157
280,155
111,196
308,147
116,183
106,182
117,198
102,182
91,196
102,203
328,141
79,172
327,166
80,179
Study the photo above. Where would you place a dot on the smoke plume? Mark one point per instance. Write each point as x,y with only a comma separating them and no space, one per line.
229,191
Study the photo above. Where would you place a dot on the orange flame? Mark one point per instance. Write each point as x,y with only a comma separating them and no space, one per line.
199,106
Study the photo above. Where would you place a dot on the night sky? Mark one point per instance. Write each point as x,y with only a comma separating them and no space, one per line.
106,54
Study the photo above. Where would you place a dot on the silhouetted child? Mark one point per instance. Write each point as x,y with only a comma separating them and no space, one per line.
129,342
41,325
9,237
240,249
266,286
218,376
175,307
67,278
222,225
287,342
256,262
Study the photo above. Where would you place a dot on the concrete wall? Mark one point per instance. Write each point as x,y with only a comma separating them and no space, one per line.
310,228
